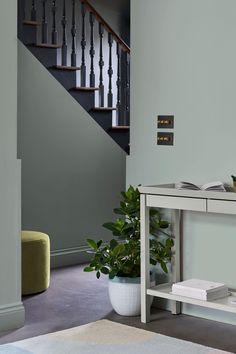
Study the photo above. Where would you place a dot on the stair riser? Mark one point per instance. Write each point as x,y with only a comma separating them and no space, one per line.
104,119
85,99
67,79
123,118
47,56
30,34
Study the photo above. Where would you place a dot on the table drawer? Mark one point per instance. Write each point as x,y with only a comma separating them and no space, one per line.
160,201
221,206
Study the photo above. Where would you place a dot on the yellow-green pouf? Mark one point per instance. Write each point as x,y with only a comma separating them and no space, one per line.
35,262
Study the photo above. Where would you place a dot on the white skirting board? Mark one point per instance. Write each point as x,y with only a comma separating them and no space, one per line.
12,316
70,256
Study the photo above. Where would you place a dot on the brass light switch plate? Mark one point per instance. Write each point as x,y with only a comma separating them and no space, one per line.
165,122
165,138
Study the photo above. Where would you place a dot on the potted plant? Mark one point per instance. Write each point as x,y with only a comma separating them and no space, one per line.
120,257
234,182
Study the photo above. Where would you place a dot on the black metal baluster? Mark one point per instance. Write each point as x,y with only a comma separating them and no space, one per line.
54,26
92,50
44,24
33,13
118,83
83,46
110,72
73,33
101,64
127,89
64,37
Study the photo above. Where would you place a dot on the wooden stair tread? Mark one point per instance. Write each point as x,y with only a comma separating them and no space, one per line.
68,68
120,127
80,88
103,109
47,45
31,23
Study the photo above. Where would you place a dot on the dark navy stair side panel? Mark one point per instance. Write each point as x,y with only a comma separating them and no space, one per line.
47,56
121,137
66,78
85,99
104,119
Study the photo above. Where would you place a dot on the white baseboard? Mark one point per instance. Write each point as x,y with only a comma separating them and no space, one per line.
70,256
12,316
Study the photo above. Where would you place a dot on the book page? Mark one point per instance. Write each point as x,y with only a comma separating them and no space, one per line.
216,186
186,185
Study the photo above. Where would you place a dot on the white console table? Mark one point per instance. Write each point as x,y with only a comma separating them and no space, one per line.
166,196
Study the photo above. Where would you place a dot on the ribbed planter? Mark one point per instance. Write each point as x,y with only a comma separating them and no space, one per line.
125,295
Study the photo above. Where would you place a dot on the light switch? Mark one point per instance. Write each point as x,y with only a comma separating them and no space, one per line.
165,138
165,122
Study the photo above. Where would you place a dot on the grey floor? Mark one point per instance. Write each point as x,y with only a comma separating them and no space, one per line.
75,298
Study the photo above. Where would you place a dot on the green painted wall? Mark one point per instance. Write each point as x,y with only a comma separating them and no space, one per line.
72,171
183,63
11,309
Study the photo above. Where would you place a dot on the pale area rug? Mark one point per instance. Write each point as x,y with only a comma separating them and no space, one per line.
105,337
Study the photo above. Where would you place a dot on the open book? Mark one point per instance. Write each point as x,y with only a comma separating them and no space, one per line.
211,186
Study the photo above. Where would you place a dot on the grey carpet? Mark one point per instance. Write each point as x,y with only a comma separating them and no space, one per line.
75,298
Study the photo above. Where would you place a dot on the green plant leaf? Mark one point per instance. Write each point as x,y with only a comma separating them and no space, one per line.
118,249
92,244
129,226
93,264
164,267
105,270
154,212
98,274
127,270
88,269
153,261
164,224
169,242
113,244
99,243
112,275
119,211
109,226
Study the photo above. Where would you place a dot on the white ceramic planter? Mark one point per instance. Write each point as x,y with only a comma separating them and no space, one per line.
125,295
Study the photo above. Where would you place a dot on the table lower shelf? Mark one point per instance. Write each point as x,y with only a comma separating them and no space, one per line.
164,291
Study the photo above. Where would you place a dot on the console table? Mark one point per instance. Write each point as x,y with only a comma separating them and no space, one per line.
167,196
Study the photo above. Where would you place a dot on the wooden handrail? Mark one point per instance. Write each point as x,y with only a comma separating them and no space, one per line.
100,19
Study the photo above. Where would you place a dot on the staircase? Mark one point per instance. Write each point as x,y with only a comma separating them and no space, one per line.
57,32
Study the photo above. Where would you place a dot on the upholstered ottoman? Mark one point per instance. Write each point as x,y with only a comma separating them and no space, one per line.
35,262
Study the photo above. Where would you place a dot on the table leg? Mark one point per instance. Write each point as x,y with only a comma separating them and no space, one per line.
145,271
176,259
